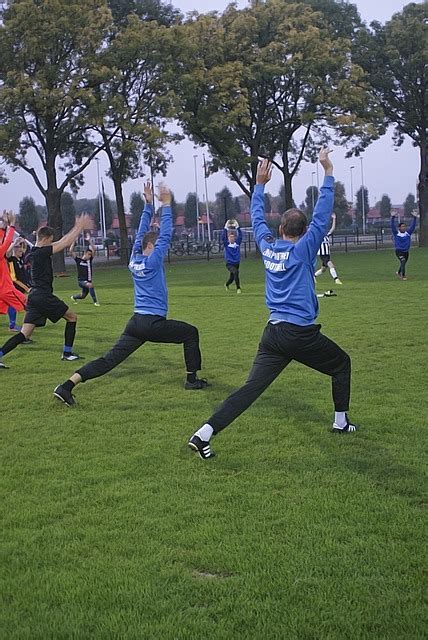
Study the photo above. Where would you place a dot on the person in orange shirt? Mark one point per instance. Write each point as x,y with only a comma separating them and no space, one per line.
10,297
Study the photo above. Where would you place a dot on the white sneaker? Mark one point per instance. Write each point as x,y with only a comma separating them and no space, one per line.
96,304
73,299
348,428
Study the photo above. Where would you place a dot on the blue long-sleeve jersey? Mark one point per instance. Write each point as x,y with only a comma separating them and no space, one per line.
289,266
402,240
232,250
150,290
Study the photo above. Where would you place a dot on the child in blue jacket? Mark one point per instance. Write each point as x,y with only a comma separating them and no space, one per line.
232,238
402,241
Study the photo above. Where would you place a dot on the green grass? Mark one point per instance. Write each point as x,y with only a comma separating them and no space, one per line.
112,528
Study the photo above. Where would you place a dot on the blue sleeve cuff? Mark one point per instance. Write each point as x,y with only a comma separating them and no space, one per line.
259,188
328,181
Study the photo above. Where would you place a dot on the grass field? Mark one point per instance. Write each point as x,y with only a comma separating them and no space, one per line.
112,528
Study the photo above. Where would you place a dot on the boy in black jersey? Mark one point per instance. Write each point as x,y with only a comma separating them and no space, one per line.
84,273
42,305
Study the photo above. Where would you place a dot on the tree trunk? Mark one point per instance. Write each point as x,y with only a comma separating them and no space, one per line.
53,203
288,193
124,245
423,195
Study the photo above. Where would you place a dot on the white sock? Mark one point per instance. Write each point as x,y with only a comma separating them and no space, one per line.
318,273
340,419
333,273
205,432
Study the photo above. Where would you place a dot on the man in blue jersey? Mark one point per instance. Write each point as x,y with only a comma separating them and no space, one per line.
232,238
402,241
291,332
149,323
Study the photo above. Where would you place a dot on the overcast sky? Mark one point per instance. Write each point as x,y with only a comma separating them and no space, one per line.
386,170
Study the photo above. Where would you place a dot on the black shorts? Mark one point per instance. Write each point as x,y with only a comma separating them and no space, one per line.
325,260
42,306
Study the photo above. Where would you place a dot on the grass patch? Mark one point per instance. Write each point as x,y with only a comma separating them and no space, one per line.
112,528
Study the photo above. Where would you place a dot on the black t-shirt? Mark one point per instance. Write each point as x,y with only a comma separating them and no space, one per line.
40,259
84,269
18,271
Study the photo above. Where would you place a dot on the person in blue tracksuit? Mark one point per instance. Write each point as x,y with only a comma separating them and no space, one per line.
149,323
402,240
232,238
291,332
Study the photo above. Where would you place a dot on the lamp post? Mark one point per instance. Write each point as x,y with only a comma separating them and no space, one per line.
101,207
197,198
363,206
352,186
206,199
312,192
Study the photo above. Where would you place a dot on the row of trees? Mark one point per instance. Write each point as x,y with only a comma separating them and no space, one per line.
276,79
224,206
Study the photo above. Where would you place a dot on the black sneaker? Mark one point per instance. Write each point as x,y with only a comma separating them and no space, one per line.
203,448
2,365
65,396
200,383
70,356
348,428
28,341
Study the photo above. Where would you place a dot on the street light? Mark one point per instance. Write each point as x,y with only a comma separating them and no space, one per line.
352,187
312,191
197,198
101,206
363,206
206,199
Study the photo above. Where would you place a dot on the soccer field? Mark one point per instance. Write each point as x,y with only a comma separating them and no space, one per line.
113,528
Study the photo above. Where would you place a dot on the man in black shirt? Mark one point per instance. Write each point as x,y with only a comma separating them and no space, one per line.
42,305
84,273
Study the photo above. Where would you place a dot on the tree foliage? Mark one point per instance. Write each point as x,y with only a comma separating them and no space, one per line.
311,200
395,56
271,80
190,219
409,204
341,207
136,206
28,218
385,206
68,211
362,196
49,68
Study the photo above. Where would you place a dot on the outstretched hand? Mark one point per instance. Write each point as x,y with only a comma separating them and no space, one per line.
325,161
264,172
164,195
84,221
148,193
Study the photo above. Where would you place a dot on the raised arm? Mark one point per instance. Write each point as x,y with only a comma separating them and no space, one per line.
393,225
224,239
260,228
145,219
72,251
82,222
307,247
413,223
333,224
156,258
239,236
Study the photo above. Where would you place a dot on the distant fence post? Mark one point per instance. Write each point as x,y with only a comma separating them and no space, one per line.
346,244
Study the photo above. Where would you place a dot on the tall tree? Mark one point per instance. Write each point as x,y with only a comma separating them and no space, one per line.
385,206
49,68
395,55
190,211
252,83
361,196
134,126
341,207
28,218
136,206
68,211
224,204
409,205
311,200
